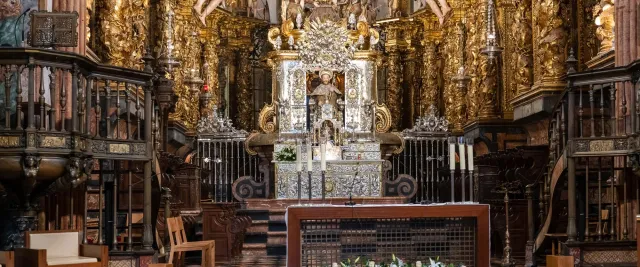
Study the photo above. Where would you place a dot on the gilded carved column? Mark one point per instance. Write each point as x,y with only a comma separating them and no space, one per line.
453,59
210,75
408,107
551,22
521,65
394,81
244,94
473,59
429,93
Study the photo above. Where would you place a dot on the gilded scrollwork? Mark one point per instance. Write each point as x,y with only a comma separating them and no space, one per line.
521,67
383,118
122,32
394,80
550,35
266,118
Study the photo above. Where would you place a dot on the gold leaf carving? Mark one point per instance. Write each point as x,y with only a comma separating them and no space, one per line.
122,27
53,141
521,66
600,145
119,148
550,34
266,118
9,141
383,118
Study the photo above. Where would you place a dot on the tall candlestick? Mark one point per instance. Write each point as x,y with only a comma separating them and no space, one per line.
452,153
323,157
470,153
463,161
298,157
309,156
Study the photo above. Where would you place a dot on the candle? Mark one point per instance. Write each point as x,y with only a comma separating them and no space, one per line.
470,153
323,157
452,154
298,157
309,157
462,154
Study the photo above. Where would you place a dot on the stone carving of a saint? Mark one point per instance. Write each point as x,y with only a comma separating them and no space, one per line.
326,93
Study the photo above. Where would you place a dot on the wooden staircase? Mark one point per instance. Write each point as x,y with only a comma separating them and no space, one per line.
591,132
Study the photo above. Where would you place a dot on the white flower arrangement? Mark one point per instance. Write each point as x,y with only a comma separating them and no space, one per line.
395,262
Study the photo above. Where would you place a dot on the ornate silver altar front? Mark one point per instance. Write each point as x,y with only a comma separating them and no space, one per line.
357,174
344,178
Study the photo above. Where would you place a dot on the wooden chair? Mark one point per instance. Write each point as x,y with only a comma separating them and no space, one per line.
180,244
61,248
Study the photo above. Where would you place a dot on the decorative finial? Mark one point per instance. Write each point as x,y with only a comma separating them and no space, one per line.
278,43
291,42
571,62
299,21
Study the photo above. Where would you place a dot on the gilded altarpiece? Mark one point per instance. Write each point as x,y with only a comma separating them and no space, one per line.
551,21
520,57
121,32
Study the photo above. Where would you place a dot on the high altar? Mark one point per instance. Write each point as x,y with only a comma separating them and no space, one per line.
325,95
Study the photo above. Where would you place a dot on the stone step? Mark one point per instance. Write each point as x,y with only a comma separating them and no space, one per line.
277,238
264,249
258,226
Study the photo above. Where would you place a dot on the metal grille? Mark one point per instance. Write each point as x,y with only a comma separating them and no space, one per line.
423,158
223,161
326,241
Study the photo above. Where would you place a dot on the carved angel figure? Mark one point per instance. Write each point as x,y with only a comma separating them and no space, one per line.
394,8
197,8
442,11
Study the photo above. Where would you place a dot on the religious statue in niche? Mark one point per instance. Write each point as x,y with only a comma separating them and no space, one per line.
291,9
326,92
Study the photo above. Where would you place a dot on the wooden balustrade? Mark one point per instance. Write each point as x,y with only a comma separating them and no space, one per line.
72,114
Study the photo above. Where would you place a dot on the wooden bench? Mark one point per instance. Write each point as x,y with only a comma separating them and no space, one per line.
60,248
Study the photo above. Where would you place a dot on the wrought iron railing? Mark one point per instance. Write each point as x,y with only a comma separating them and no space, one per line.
424,157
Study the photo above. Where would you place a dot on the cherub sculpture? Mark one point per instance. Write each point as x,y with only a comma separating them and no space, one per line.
197,8
441,11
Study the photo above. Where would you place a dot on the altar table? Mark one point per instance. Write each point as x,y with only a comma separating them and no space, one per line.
318,235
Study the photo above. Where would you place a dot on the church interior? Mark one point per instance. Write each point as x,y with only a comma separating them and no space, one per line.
341,133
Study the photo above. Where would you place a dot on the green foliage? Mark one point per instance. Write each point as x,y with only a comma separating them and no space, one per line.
286,154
